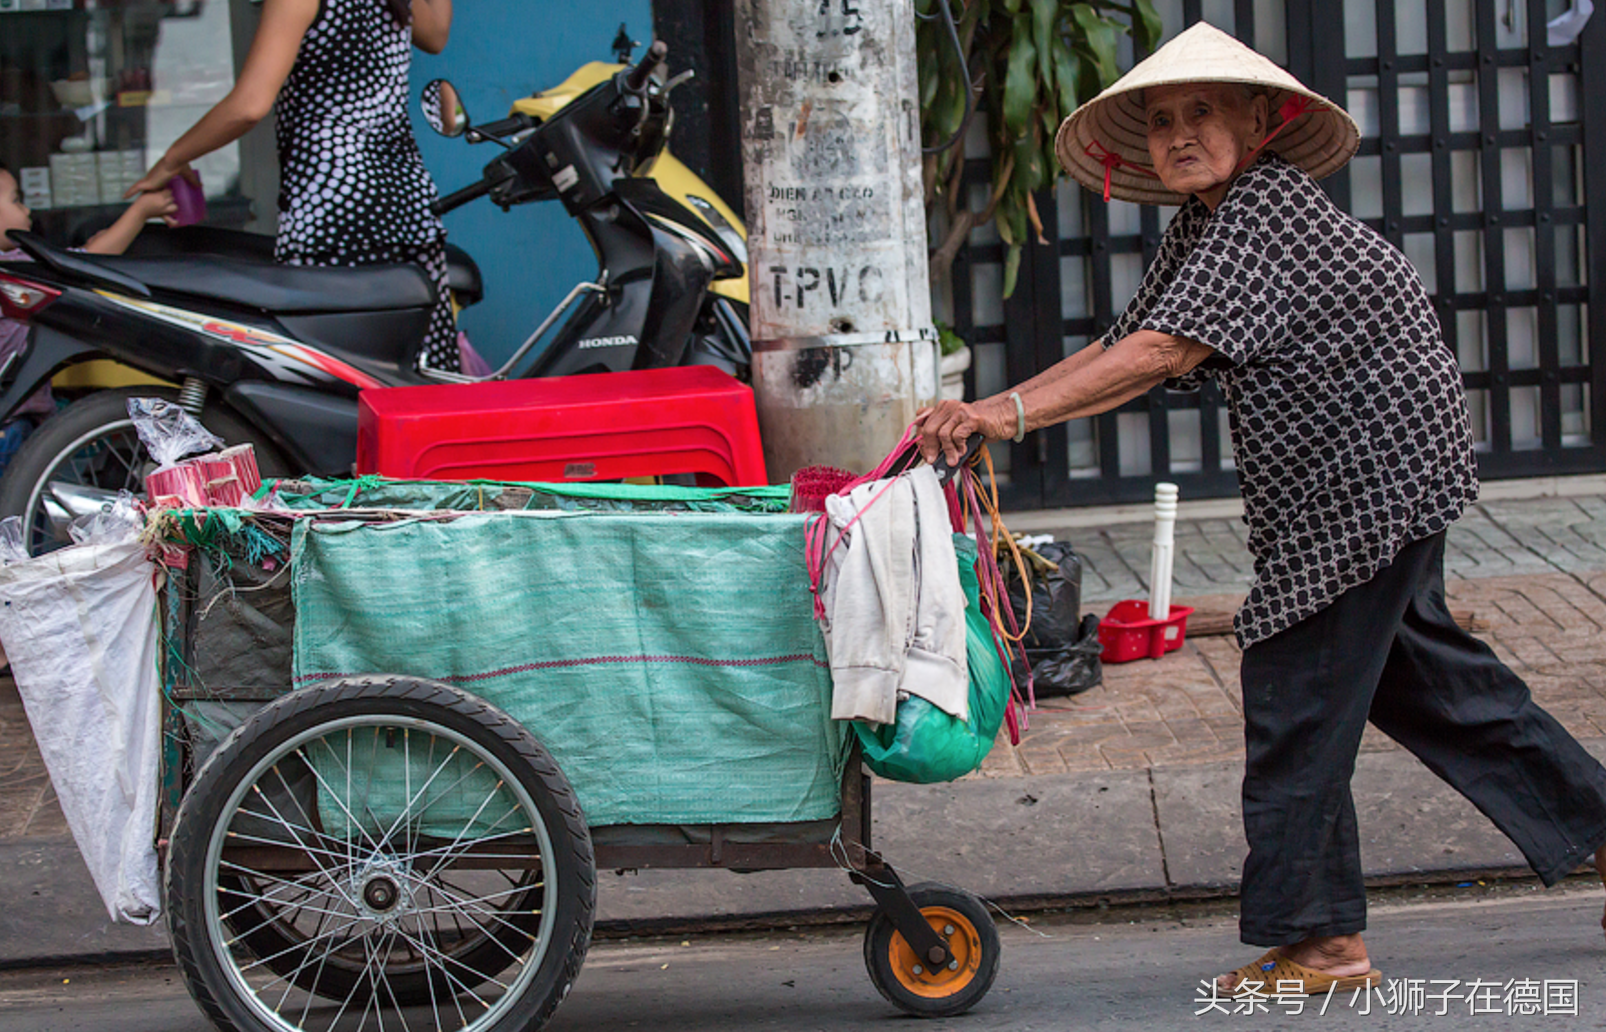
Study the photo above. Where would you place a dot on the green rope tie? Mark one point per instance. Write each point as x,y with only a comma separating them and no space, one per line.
363,483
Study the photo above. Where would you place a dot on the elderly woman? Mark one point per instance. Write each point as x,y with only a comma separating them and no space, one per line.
1354,454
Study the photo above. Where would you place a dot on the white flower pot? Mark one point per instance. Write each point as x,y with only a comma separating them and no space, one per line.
953,374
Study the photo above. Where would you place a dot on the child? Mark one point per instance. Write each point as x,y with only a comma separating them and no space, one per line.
114,239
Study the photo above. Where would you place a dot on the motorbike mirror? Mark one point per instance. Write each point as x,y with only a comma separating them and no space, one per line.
443,108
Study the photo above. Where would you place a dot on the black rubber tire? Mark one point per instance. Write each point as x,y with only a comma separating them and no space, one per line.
101,414
982,946
569,864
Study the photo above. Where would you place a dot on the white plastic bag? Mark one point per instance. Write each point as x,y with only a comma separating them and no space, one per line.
115,520
80,628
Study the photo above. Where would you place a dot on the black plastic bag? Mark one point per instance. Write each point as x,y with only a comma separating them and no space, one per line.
1062,647
1072,669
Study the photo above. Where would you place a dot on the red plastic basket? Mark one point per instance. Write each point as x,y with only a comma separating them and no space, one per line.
1127,633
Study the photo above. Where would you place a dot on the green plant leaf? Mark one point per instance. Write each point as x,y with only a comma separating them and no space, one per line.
948,341
1051,159
1030,172
1014,209
1020,85
1101,37
1011,269
975,12
1011,5
1146,26
1067,66
1044,14
928,67
1051,128
1051,121
948,112
1087,78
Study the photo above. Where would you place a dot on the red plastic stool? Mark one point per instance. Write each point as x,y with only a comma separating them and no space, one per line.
691,419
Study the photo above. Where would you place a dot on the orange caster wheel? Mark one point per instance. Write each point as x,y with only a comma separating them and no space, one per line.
909,983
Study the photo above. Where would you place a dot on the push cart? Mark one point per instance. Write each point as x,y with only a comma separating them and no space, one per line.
381,849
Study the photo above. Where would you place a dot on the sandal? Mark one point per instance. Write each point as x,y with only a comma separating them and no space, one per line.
1276,975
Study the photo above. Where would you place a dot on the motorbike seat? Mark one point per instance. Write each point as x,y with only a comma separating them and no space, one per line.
281,289
462,273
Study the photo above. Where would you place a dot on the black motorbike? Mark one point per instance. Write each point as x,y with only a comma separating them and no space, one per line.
275,355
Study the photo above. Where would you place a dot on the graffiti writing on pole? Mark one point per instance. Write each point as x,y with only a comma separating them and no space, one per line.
806,285
839,18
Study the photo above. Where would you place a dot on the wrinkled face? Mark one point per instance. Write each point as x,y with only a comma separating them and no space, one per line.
13,213
1199,134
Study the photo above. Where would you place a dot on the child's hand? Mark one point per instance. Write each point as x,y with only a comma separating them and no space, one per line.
159,175
156,204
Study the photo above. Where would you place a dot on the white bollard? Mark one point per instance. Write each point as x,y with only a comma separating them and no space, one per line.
1165,524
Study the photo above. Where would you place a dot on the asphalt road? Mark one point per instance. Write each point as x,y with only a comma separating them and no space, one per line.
1119,970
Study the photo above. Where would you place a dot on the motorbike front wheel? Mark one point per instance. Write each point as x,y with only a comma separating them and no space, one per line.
82,456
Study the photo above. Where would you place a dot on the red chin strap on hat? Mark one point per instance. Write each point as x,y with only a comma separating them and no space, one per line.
1292,108
1112,161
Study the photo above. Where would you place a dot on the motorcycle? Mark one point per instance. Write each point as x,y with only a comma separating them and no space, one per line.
276,355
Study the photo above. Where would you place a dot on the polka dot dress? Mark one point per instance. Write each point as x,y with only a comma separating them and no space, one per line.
1349,421
353,188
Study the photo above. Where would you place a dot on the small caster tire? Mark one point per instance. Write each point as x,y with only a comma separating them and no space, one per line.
906,980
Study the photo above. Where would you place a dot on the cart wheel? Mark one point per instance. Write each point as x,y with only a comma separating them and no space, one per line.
907,981
380,852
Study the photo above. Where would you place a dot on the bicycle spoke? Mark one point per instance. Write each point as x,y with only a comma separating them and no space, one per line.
300,946
493,916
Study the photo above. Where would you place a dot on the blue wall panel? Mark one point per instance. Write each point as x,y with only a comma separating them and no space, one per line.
500,50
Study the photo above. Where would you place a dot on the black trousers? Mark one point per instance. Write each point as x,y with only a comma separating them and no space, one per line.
1388,651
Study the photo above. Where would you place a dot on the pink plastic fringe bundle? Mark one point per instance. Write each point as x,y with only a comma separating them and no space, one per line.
242,459
812,484
228,479
994,596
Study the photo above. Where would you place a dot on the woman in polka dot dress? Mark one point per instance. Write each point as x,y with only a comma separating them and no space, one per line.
354,190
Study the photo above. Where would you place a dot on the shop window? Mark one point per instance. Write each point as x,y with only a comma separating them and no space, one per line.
93,91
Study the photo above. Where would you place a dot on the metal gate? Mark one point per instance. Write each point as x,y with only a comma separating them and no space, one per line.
1479,147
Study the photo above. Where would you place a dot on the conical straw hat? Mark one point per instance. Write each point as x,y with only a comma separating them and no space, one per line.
1108,136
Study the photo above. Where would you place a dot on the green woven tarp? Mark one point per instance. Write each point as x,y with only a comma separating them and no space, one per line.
669,661
372,492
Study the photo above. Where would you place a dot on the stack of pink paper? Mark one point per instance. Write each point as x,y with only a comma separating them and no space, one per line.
226,479
176,487
244,460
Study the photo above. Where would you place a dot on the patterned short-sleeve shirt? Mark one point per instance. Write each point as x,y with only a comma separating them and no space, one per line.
1349,421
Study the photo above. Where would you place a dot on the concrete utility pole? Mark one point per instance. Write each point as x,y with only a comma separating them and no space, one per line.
844,349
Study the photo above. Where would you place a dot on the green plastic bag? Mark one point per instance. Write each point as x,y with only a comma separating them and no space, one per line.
927,744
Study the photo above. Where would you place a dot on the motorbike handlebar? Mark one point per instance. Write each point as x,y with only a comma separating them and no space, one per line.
461,197
500,128
654,56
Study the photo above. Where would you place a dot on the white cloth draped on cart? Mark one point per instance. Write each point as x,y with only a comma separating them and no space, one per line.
80,628
894,610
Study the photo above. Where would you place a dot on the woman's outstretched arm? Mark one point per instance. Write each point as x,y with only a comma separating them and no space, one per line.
432,24
1091,381
273,53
